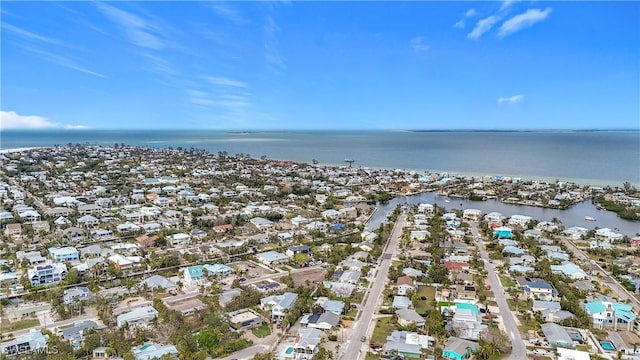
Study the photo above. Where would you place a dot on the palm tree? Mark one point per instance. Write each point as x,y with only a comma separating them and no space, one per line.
486,349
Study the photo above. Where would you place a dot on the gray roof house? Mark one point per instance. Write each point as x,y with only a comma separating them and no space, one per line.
409,316
278,304
557,335
158,282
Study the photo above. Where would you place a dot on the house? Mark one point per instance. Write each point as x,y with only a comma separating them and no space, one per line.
411,272
606,313
272,258
550,310
350,276
180,239
73,234
307,343
69,296
609,235
570,354
298,249
334,306
569,269
467,321
409,316
141,316
557,336
342,290
154,351
279,305
456,266
185,304
502,232
244,319
194,275
323,321
540,289
519,220
401,302
407,344
74,334
67,253
88,221
31,342
472,214
40,226
405,284
626,342
157,282
47,274
13,230
262,223
458,349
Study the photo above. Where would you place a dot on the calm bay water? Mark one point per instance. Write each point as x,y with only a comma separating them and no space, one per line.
597,157
586,157
574,216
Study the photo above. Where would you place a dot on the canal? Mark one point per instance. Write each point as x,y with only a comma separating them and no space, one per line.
573,216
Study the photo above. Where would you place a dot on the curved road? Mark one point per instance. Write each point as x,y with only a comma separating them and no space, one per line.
353,347
518,348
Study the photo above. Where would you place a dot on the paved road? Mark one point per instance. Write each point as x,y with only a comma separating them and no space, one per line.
617,288
353,348
518,347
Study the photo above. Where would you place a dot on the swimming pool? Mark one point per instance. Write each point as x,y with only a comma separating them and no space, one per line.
289,350
607,345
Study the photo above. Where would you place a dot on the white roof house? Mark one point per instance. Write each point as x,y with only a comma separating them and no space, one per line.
137,317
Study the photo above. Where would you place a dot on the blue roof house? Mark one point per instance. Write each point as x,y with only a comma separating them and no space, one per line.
502,232
606,313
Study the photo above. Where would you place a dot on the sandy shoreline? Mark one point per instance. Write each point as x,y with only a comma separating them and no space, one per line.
6,151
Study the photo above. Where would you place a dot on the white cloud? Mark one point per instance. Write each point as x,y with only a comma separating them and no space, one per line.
13,120
229,13
62,61
522,21
511,100
223,81
139,31
482,26
506,4
469,14
418,45
75,127
30,36
271,44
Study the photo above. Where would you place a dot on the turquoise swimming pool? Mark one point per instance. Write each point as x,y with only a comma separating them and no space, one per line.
289,350
607,345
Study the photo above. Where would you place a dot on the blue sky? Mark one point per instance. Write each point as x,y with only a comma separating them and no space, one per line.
320,65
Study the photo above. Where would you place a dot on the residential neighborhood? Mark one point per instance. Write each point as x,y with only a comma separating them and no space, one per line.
122,252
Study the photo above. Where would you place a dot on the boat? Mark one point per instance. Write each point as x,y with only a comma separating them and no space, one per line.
589,218
445,200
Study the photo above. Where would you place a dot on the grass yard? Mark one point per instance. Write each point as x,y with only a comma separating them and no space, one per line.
262,331
384,327
507,282
8,327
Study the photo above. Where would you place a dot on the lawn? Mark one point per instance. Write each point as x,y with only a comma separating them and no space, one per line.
262,331
18,325
507,282
384,327
423,305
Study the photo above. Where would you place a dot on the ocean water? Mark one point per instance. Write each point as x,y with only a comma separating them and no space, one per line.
586,157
